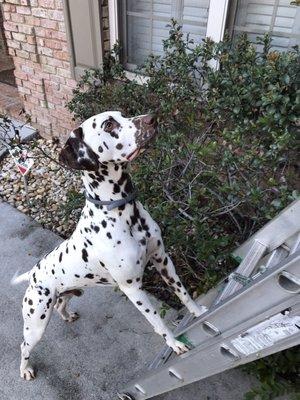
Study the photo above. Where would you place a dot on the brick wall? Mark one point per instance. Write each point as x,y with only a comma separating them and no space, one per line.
105,26
2,37
37,41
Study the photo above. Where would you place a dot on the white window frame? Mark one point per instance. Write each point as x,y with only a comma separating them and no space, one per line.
215,29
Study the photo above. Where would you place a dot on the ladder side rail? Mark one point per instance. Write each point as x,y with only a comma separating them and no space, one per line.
201,363
163,381
246,298
285,224
291,266
290,263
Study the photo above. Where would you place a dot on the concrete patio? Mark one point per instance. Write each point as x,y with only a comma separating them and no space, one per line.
95,356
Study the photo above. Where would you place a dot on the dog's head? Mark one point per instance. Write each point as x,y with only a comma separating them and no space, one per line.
107,137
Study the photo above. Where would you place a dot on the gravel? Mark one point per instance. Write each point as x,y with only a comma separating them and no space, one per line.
53,198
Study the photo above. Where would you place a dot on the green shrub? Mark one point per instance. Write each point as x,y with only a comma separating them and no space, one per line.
224,162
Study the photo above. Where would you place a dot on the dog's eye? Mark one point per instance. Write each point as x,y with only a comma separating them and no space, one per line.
109,125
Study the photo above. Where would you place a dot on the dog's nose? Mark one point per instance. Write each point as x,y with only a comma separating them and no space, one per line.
149,119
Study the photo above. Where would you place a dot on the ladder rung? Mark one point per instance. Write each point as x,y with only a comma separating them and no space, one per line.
245,268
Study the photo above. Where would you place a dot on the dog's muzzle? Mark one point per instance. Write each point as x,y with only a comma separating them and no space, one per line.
146,129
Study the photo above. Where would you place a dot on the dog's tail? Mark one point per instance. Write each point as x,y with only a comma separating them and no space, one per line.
16,279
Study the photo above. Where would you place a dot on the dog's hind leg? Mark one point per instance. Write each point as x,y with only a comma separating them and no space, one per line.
62,302
38,305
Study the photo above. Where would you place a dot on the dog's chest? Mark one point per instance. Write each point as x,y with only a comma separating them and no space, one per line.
114,233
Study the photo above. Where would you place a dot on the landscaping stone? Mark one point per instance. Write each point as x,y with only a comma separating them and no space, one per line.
26,133
49,188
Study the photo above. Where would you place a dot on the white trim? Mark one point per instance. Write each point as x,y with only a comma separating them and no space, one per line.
113,22
216,22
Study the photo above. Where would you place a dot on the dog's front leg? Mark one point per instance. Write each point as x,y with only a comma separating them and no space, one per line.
140,299
165,267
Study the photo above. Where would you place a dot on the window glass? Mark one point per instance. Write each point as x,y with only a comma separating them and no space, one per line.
144,25
278,17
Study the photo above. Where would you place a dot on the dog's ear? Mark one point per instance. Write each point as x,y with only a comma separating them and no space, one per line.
76,154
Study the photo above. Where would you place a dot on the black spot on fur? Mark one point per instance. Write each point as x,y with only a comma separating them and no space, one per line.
139,303
119,146
108,234
60,257
89,276
84,255
96,228
43,316
129,281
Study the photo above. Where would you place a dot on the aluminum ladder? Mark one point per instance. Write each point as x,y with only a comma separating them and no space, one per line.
255,312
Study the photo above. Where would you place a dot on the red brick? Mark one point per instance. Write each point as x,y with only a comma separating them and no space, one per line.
39,31
54,62
27,70
22,54
49,69
18,18
63,72
57,15
61,55
24,90
53,44
46,3
31,48
45,51
13,1
40,41
59,5
26,29
46,23
8,7
34,57
13,44
6,16
31,39
23,10
62,27
30,85
71,83
30,20
20,74
20,37
10,26
40,12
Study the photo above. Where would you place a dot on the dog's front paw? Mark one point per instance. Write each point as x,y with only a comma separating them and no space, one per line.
178,347
27,373
73,316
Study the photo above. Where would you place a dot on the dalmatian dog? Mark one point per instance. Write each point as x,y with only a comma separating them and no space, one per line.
113,240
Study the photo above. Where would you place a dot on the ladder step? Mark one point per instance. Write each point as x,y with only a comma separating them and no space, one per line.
245,268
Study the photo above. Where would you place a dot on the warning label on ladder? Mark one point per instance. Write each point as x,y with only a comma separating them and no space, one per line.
267,333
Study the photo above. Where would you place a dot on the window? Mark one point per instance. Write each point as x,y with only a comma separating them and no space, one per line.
143,25
278,17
